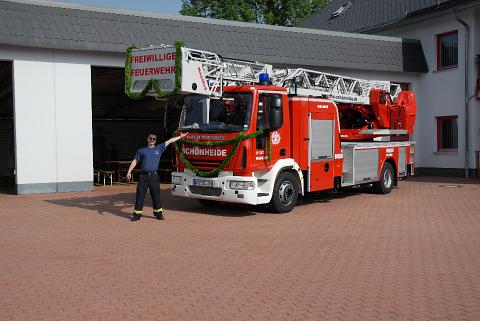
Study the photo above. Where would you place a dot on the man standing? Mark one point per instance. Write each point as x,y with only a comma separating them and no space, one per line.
149,158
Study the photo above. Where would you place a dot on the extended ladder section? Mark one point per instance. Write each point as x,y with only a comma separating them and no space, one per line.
335,87
213,72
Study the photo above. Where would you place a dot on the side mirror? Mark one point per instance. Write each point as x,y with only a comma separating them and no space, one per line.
276,113
171,116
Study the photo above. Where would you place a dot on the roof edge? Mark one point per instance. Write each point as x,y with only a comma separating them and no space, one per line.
421,15
211,21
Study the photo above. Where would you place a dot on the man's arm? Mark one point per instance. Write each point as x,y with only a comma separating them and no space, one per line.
132,166
174,139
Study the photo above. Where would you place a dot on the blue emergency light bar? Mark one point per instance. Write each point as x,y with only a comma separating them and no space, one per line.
264,78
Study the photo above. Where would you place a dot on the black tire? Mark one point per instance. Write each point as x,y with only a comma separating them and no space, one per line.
285,193
208,202
387,180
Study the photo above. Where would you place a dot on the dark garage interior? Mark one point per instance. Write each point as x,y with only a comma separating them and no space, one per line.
120,125
7,132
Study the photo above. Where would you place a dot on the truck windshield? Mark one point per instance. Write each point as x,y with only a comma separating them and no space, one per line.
204,114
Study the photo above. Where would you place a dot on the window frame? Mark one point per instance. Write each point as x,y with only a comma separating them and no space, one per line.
439,120
438,37
407,86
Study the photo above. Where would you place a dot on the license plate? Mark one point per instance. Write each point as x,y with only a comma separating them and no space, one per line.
202,182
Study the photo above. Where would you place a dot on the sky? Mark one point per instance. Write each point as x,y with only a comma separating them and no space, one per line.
153,6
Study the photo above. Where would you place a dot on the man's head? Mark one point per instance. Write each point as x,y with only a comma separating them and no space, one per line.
151,139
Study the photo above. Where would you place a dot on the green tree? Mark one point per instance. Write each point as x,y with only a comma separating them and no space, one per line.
275,12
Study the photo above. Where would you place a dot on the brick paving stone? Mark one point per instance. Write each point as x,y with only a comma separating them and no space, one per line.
409,255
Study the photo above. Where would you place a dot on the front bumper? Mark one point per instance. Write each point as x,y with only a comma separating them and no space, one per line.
220,190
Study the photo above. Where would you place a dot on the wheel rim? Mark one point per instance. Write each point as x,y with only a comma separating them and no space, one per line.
286,193
387,179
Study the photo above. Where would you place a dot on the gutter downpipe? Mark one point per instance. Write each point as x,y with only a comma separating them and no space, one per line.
467,116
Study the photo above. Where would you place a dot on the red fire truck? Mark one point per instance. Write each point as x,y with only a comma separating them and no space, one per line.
266,135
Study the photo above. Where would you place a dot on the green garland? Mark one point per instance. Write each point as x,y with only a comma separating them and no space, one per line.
152,84
214,172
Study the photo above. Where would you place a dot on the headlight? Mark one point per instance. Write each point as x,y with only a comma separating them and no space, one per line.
241,185
176,180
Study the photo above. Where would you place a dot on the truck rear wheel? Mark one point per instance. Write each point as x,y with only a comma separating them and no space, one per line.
387,178
285,193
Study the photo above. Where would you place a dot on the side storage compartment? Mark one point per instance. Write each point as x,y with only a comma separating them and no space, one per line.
402,161
365,164
411,159
347,176
362,161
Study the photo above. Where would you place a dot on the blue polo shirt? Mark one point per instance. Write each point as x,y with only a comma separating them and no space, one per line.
149,158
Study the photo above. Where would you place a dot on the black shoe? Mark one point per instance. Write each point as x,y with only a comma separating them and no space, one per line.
159,216
135,217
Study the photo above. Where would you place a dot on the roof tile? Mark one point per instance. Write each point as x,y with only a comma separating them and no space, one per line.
370,15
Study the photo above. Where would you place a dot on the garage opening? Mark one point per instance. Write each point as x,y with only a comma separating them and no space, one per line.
121,125
7,132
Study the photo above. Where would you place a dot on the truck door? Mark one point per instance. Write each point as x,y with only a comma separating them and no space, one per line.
261,141
280,140
321,150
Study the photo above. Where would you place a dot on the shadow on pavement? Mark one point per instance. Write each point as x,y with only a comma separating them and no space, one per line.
235,210
117,204
226,210
121,204
326,196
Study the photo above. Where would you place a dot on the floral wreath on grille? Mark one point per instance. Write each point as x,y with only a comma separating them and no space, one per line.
234,141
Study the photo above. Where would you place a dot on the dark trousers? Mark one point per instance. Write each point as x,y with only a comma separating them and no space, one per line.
147,181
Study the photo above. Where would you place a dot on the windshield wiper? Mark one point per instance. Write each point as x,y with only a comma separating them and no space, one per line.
209,130
212,130
193,130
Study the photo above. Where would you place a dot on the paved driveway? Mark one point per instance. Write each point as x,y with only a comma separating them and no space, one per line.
411,255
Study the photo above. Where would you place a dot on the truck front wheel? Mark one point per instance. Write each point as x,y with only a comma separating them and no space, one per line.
387,178
285,193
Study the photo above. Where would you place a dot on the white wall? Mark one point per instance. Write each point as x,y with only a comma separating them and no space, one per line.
73,101
441,92
53,117
35,123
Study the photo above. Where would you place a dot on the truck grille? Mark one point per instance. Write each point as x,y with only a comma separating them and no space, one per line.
208,191
205,165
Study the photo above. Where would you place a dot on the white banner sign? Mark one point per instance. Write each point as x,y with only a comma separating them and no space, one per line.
153,63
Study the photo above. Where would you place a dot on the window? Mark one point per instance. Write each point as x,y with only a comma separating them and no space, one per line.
341,10
404,86
229,114
447,133
447,50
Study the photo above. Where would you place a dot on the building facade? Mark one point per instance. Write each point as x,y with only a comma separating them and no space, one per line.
448,114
